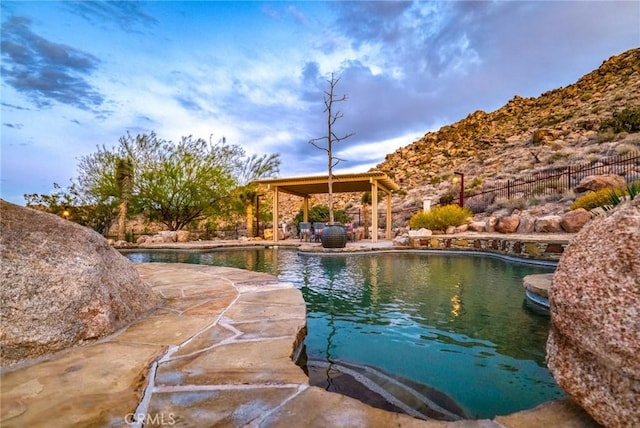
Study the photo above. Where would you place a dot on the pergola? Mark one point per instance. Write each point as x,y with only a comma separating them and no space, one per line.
304,187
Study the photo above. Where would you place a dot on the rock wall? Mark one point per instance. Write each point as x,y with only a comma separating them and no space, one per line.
61,284
594,343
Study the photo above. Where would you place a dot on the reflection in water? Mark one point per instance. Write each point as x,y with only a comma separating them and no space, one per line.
454,323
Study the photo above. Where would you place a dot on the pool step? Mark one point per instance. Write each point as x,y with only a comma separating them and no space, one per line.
382,390
536,288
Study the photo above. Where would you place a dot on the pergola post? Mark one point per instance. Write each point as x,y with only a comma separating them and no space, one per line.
305,209
389,220
374,211
275,213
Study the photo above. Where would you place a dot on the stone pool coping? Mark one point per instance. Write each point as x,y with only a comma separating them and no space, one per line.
218,352
541,246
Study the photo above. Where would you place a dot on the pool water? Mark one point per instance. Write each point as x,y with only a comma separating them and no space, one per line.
454,330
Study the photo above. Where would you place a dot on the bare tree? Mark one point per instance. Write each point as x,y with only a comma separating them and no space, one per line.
332,116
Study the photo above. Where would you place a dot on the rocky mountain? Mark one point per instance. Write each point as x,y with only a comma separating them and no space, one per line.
558,127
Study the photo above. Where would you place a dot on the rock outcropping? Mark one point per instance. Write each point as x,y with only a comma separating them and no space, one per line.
526,133
594,341
61,284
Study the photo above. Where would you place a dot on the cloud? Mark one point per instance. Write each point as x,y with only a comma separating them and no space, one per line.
13,106
297,15
14,125
421,38
127,15
46,71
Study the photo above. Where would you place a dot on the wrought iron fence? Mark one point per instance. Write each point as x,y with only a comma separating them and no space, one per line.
559,180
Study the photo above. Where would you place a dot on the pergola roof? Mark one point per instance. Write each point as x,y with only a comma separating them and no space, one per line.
342,183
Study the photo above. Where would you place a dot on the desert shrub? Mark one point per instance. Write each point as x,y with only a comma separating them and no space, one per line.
507,204
604,136
476,182
554,197
533,202
591,200
446,199
627,120
439,218
625,149
515,204
556,156
586,96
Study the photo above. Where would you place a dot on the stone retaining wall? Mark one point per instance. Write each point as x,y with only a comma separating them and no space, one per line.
511,245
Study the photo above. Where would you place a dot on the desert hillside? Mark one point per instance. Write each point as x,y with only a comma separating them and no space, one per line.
560,127
556,128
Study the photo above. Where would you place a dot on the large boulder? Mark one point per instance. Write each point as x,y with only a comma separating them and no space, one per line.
508,224
477,226
420,233
575,220
598,182
594,341
527,223
548,224
61,284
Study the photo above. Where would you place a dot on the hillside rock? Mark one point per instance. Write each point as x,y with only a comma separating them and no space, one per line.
594,341
61,284
477,226
598,182
573,221
548,224
508,224
527,223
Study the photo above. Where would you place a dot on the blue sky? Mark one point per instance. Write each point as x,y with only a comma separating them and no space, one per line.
80,74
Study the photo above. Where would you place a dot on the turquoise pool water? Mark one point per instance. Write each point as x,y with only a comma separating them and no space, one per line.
454,328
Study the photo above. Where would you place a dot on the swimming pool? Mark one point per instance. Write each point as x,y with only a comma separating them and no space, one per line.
401,329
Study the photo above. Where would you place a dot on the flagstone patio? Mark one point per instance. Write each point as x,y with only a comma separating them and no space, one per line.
219,352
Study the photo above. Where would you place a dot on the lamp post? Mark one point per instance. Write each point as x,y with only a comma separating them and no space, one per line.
461,201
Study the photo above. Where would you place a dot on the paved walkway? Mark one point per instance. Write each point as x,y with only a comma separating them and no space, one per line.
217,353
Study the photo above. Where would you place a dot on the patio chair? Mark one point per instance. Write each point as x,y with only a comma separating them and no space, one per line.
317,227
351,232
305,231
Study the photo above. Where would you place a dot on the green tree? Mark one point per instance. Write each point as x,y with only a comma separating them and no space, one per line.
175,183
185,182
101,180
97,217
